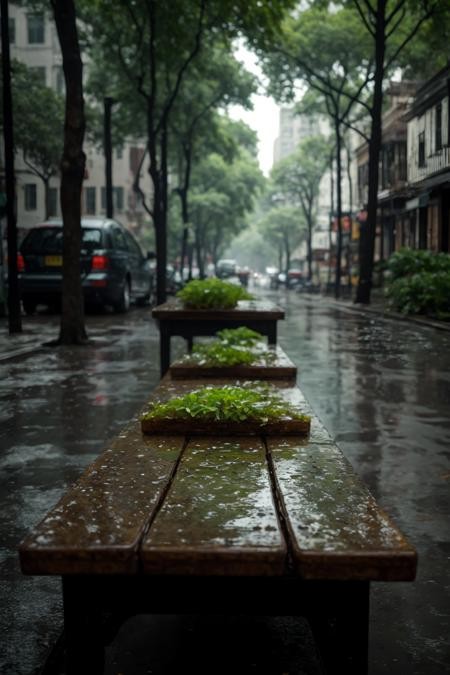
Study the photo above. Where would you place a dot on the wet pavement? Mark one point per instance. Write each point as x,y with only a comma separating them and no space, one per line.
381,387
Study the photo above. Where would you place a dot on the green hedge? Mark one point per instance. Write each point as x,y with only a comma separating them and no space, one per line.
418,282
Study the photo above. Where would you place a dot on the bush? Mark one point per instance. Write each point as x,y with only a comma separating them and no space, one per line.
419,283
212,294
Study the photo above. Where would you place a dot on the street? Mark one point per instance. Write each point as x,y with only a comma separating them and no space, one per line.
380,386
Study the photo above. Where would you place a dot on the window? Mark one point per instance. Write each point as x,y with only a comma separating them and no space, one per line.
30,197
119,153
421,148
53,202
438,128
89,193
40,73
35,24
117,198
118,238
133,246
12,31
59,80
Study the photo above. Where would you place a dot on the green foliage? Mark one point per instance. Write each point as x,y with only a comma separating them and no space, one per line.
212,294
220,354
234,347
419,283
227,404
244,337
408,261
38,121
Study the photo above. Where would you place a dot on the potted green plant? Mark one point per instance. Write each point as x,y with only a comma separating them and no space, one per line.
212,294
228,409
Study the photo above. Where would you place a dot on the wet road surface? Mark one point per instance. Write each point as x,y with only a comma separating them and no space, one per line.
382,388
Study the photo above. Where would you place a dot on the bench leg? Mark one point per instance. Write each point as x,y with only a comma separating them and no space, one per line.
340,626
164,349
82,630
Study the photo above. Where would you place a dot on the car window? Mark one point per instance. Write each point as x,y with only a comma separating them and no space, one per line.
48,240
43,240
118,239
132,244
91,239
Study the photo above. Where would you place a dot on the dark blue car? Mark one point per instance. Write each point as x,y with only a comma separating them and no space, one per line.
114,270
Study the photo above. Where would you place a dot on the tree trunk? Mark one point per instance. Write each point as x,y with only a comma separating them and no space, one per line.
337,282
184,204
72,329
14,315
368,230
309,241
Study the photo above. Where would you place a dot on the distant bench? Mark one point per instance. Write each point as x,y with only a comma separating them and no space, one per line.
175,320
279,526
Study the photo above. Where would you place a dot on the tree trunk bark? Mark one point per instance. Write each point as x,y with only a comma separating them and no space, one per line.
14,314
368,230
337,282
72,329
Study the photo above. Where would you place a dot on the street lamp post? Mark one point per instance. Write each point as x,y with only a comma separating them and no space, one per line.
107,146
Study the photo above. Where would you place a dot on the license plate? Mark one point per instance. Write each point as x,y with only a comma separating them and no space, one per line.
53,260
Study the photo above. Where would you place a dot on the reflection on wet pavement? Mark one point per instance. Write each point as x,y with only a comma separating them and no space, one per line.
380,387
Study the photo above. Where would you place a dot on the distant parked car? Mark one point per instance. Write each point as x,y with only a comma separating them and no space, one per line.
226,268
114,270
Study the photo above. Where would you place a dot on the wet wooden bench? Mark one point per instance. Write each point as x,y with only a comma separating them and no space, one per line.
170,524
175,320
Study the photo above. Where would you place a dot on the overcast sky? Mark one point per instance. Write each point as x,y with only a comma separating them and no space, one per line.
263,118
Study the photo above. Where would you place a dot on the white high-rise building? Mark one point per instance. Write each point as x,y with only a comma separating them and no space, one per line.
34,42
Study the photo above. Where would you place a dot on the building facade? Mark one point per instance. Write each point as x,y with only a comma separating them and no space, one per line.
428,123
34,42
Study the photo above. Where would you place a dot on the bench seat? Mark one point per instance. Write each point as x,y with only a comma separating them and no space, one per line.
286,514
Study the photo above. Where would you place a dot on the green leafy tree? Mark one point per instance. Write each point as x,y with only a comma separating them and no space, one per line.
155,44
298,177
391,25
38,125
285,227
222,194
215,80
316,51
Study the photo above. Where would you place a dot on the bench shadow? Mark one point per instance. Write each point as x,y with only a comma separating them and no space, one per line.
213,644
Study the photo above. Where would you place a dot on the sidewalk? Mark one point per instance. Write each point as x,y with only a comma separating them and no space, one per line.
379,307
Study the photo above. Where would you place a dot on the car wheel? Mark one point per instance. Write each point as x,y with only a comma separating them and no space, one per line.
123,304
29,306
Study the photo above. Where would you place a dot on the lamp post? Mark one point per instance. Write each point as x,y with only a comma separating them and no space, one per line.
107,148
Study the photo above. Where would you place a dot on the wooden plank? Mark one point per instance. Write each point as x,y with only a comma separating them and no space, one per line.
246,309
336,528
97,525
218,517
280,367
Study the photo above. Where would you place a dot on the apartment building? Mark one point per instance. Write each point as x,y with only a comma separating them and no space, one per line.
34,42
428,128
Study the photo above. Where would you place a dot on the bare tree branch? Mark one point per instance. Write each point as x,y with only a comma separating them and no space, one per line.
196,48
409,37
364,18
400,5
396,24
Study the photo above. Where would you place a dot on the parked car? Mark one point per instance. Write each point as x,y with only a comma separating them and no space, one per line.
114,270
226,268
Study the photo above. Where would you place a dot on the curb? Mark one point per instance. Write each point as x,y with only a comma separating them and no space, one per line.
392,316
